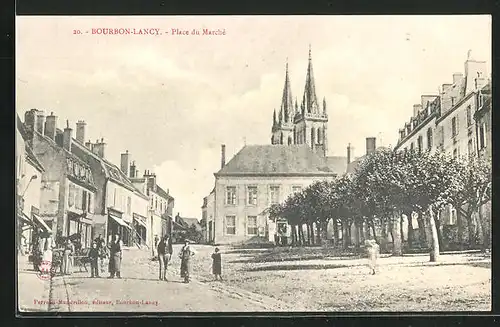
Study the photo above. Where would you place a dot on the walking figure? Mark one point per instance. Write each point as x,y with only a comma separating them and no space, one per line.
373,251
115,260
185,255
217,264
69,250
94,257
164,255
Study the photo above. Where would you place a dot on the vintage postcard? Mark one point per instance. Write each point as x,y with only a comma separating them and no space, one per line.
253,163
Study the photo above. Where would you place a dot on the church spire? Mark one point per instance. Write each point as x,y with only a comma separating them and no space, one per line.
310,100
274,117
286,101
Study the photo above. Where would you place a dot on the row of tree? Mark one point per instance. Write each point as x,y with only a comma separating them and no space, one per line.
388,186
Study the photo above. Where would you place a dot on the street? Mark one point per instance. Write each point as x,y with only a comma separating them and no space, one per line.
139,290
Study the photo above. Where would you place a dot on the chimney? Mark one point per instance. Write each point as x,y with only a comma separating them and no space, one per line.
67,137
99,147
370,145
50,126
133,170
349,153
416,109
88,145
124,166
40,122
80,131
457,77
30,118
446,87
223,156
426,99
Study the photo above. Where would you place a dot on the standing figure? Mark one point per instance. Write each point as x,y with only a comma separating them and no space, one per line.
94,257
164,251
69,250
115,257
185,255
155,246
373,251
217,264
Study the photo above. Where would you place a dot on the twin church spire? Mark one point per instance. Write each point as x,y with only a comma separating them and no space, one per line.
289,123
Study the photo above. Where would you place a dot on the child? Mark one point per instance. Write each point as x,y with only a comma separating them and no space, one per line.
373,251
94,257
216,264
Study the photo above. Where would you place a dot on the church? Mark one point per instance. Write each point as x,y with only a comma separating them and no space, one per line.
236,211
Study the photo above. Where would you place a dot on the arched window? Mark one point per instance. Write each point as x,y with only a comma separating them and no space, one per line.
289,140
318,139
281,138
429,138
313,136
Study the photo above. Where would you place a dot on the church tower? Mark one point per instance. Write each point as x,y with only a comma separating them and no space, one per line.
282,130
311,120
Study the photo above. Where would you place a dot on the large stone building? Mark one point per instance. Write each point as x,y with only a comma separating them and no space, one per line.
67,195
445,122
261,175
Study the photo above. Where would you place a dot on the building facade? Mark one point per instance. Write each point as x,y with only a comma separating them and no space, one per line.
257,177
445,122
68,189
207,217
29,172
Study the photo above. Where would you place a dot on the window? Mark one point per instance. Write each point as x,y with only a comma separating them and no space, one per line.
429,138
231,195
469,116
482,136
90,202
470,147
420,143
71,195
274,194
78,199
252,195
156,203
252,225
412,146
480,100
84,201
231,225
452,101
454,126
453,216
455,153
129,205
296,189
114,199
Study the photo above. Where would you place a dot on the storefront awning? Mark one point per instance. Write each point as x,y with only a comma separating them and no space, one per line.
25,218
120,221
141,220
40,220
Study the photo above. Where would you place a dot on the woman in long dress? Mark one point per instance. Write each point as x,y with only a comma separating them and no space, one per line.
185,255
69,250
115,258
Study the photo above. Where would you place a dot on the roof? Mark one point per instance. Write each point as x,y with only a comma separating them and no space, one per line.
161,192
190,221
278,160
34,160
111,171
337,164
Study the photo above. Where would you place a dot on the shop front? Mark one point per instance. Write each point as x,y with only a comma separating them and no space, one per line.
139,226
79,227
117,226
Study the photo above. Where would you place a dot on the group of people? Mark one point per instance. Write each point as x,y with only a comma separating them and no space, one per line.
164,251
99,252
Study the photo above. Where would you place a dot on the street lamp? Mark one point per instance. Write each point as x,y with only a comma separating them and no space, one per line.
32,178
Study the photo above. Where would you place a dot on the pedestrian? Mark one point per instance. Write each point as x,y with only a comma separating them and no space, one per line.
373,251
103,255
164,251
115,257
217,264
185,255
69,250
155,247
94,257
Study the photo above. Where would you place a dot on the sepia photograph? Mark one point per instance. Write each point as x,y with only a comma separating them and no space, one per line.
321,163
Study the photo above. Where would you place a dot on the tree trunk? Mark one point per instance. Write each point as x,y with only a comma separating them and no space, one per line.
361,232
434,253
335,233
410,229
460,229
318,233
472,234
357,236
301,235
313,237
384,237
484,230
345,235
401,221
396,234
372,225
438,229
421,228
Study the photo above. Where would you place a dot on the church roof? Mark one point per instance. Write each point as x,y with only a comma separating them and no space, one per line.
280,160
310,101
287,110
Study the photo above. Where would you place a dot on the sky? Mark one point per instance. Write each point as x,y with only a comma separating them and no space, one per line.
172,100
